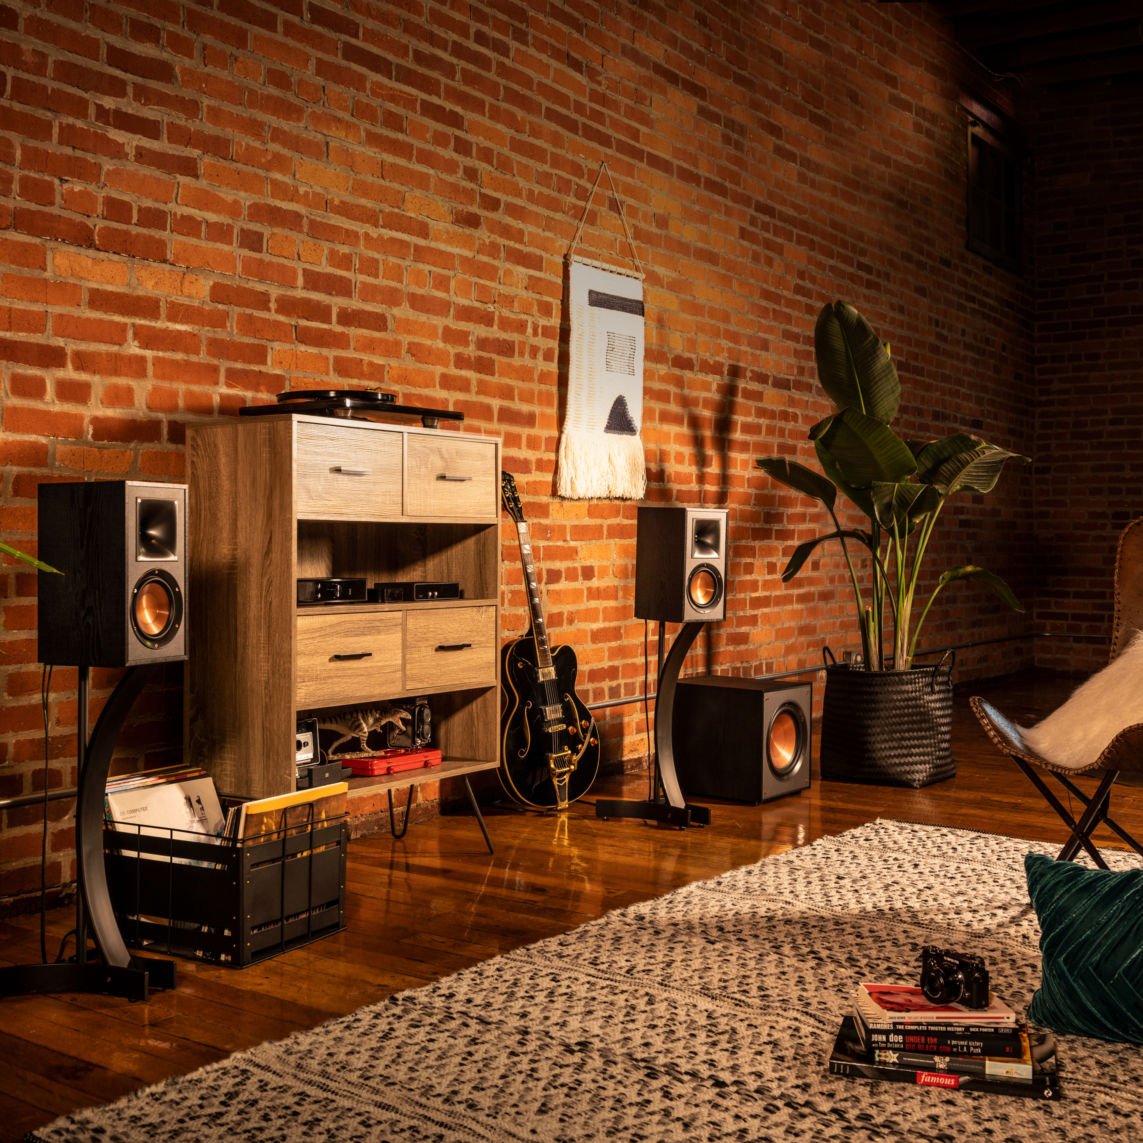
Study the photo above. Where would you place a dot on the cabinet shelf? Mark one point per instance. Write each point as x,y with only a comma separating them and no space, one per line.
450,768
410,605
274,500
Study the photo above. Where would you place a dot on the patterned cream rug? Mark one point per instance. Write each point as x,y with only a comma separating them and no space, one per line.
705,1014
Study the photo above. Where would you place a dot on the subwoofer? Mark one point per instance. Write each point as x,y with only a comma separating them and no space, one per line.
680,563
121,546
742,740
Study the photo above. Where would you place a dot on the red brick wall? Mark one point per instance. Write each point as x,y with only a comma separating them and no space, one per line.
1088,241
198,210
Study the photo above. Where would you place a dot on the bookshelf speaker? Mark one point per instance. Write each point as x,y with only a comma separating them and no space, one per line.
680,563
121,546
742,740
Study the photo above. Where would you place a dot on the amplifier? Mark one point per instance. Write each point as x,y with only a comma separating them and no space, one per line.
414,591
327,590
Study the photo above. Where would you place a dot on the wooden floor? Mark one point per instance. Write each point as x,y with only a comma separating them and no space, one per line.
436,901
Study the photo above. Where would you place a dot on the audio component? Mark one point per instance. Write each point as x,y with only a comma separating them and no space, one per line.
329,590
306,743
311,770
742,740
121,546
414,591
347,403
680,563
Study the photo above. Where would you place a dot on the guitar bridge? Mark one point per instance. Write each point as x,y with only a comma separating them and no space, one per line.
562,766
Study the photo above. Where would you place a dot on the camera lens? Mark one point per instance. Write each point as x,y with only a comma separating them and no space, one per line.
934,985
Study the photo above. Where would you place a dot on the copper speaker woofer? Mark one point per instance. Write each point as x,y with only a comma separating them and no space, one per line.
704,587
785,740
156,608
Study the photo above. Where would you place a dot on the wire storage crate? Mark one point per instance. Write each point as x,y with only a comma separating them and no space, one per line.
228,902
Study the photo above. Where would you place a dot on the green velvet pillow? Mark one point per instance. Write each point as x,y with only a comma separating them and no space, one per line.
1091,938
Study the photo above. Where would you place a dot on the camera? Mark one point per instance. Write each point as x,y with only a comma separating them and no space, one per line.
949,977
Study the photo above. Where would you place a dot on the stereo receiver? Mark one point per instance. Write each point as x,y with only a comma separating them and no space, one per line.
328,590
414,591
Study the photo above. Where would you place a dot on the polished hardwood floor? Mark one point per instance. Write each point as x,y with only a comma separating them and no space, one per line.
436,901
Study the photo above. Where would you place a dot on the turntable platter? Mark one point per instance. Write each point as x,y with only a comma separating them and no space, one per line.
365,396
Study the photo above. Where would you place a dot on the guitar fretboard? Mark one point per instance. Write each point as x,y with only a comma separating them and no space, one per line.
539,632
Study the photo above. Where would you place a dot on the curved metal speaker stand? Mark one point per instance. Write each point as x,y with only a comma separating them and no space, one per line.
674,810
116,972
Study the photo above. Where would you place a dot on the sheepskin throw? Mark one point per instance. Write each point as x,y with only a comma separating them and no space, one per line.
1077,733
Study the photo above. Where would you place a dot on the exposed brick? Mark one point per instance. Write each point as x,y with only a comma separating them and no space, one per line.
201,205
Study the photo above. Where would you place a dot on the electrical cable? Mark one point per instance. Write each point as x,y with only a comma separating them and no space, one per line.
45,692
647,708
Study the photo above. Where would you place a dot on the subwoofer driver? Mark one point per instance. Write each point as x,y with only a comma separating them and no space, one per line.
786,740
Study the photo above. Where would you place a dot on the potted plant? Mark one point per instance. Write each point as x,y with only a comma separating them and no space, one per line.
883,719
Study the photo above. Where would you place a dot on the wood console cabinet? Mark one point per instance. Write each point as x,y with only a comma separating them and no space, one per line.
277,499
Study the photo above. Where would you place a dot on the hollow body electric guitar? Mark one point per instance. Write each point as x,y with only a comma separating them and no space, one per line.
549,745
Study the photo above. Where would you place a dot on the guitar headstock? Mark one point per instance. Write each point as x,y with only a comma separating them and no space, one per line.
511,497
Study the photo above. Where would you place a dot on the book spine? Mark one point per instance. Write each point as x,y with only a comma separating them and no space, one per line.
940,1044
1013,1069
932,1040
1035,1088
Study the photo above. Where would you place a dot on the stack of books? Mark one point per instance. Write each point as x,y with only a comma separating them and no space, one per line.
896,1033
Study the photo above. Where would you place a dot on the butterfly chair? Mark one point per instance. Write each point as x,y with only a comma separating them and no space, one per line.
1121,760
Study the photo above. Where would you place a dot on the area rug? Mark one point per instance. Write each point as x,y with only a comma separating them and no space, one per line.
705,1014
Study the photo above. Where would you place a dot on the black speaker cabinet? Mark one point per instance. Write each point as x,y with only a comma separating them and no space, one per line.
680,563
742,740
121,546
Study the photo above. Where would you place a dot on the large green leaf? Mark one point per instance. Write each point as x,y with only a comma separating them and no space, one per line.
976,470
854,367
900,506
23,557
800,478
990,580
803,551
857,450
932,454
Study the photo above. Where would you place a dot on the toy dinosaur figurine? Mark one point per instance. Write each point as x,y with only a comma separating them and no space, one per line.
360,724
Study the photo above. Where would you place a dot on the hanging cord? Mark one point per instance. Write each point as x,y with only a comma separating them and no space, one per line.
622,218
45,692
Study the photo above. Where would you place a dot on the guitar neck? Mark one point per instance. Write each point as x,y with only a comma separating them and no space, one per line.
539,631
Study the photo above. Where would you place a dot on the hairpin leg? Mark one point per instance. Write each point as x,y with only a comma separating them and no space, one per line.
392,820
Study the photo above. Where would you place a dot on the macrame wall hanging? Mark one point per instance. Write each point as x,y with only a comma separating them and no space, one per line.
601,454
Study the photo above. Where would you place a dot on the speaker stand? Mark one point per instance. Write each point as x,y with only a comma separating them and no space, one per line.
671,808
116,972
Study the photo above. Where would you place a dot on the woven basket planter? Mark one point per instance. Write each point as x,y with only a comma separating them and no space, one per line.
889,728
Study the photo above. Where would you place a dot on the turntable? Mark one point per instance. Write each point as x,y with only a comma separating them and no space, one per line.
347,403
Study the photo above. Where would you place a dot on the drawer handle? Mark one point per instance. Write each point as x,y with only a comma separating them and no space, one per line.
456,479
345,470
453,646
351,657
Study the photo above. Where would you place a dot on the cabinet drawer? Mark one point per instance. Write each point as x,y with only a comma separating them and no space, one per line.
347,473
450,647
347,658
451,477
